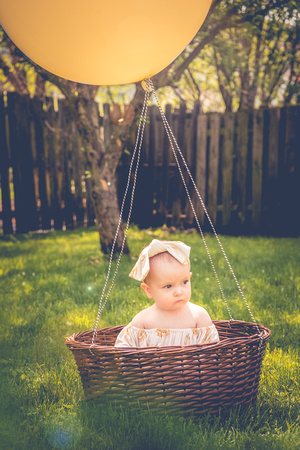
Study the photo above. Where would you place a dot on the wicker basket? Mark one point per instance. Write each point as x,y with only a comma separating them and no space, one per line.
189,379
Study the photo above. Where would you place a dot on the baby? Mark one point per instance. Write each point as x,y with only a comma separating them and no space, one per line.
164,269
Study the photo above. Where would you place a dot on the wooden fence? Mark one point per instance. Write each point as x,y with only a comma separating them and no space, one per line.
245,165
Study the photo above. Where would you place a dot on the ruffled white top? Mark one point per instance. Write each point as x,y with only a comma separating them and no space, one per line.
132,336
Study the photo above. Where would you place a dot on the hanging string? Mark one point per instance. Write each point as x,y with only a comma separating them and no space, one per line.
148,87
136,151
172,141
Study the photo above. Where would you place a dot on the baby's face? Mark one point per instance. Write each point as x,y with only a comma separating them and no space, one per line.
168,284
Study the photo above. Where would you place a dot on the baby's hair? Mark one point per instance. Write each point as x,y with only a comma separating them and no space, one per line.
163,256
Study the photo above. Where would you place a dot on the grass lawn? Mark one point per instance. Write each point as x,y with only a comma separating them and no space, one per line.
50,286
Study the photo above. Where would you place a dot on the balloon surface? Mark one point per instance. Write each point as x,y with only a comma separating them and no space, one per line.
103,42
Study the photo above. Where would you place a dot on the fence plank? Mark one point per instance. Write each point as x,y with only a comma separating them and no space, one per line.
194,118
77,175
257,159
291,187
165,165
213,165
274,115
181,128
228,144
37,108
271,181
4,173
22,162
157,200
179,191
54,165
144,195
241,162
89,206
191,160
200,172
65,134
153,142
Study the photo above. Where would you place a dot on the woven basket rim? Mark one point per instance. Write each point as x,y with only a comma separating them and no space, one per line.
265,333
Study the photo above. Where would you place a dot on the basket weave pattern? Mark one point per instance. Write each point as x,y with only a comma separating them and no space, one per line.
192,378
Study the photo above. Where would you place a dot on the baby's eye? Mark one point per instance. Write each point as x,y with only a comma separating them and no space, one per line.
186,281
167,286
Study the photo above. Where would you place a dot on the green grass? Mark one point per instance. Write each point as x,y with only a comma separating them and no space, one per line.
50,286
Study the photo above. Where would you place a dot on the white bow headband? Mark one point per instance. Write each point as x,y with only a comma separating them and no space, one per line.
178,249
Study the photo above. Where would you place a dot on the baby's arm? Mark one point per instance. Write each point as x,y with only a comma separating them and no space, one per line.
145,318
201,315
139,320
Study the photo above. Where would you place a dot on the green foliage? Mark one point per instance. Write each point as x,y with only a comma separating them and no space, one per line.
50,287
251,61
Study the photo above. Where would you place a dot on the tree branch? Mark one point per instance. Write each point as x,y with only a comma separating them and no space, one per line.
15,80
173,74
194,83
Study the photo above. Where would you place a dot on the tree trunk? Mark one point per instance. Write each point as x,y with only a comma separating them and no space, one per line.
102,160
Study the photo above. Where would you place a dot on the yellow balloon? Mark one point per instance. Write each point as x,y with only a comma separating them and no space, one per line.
101,42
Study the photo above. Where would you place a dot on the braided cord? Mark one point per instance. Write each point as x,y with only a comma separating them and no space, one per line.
136,151
173,142
149,88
